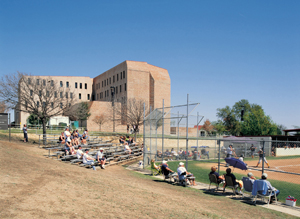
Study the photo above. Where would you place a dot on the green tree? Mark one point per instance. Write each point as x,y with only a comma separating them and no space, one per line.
255,121
83,111
34,119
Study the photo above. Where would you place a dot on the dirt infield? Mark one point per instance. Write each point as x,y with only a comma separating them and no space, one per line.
289,165
34,186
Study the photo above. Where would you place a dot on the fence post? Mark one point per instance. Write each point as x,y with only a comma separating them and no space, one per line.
163,129
263,158
187,131
150,134
219,155
178,135
144,149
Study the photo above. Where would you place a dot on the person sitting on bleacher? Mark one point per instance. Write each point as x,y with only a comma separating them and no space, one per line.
84,137
182,174
79,152
100,158
69,148
62,139
67,133
121,140
87,159
165,168
127,148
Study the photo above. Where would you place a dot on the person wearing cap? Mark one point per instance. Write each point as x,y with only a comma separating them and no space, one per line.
165,168
264,176
181,170
69,148
252,149
100,158
87,159
251,177
262,156
220,179
79,152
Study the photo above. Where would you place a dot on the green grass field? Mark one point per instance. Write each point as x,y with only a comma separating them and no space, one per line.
201,174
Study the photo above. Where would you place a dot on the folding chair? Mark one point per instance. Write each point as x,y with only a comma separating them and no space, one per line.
229,184
248,185
260,189
213,179
154,171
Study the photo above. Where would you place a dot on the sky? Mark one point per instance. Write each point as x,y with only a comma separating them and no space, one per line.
218,52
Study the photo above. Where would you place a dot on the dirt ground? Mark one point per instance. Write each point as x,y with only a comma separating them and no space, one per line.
289,165
34,186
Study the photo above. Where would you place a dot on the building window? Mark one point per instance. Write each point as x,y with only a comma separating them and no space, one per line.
88,96
113,79
61,94
102,83
52,105
96,86
120,88
40,93
85,86
80,85
61,84
44,104
105,93
75,84
38,81
125,87
44,82
202,133
79,96
37,103
123,74
61,105
71,95
25,104
67,95
69,104
116,90
31,93
109,80
117,77
29,81
52,83
55,94
47,93
67,84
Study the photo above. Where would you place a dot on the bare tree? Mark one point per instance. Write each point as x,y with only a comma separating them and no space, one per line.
100,120
3,107
36,95
132,112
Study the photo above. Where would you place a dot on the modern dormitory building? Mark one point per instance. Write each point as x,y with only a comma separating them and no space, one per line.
129,79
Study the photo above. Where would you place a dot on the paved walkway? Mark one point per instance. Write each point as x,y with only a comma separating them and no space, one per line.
281,207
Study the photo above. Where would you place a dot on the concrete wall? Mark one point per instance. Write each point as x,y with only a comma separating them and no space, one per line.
287,152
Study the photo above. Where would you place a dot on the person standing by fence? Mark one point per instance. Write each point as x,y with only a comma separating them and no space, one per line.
25,133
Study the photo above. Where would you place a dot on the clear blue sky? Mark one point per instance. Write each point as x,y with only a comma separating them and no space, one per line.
217,51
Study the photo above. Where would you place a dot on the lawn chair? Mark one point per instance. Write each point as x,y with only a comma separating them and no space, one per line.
155,171
229,184
213,179
260,189
248,185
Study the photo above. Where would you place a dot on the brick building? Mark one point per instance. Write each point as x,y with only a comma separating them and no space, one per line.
129,79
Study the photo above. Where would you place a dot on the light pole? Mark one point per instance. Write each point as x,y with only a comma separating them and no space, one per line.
113,89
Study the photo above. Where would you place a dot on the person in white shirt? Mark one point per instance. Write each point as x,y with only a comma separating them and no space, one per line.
100,158
69,148
79,153
180,170
127,148
67,134
87,159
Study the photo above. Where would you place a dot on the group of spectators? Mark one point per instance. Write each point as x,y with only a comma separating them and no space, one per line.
87,159
181,171
238,184
71,140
